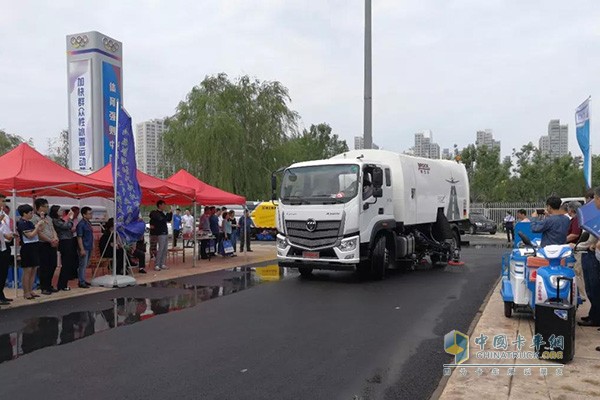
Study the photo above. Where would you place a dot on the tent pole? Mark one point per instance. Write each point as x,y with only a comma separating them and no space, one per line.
195,238
15,240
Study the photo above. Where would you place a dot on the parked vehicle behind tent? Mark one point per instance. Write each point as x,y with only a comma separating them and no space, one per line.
264,218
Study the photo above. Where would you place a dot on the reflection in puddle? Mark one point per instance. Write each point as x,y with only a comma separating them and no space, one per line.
491,246
53,331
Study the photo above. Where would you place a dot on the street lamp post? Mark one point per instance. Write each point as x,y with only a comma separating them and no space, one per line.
368,133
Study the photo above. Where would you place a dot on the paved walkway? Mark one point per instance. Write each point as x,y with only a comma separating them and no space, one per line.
580,378
177,269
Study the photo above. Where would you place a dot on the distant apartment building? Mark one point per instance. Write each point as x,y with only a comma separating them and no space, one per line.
486,138
446,155
544,144
359,143
424,145
149,146
556,143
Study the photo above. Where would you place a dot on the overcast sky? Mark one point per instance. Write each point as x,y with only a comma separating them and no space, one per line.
453,67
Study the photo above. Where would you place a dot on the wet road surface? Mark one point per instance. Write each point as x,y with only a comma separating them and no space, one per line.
235,335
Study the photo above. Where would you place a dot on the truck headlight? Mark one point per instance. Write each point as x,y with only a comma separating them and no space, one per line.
348,245
554,280
281,242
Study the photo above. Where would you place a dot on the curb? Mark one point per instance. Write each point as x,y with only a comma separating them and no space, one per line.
437,393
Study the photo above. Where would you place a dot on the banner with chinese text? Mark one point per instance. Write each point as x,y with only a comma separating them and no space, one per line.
80,111
129,194
111,94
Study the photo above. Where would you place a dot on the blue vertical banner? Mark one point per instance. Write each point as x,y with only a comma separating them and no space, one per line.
128,192
111,93
582,122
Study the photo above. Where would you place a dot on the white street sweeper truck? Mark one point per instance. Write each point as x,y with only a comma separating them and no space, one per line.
370,210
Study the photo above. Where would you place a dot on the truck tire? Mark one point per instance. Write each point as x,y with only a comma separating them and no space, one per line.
436,261
305,272
508,306
379,261
456,237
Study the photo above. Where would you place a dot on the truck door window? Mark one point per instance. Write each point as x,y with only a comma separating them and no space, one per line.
367,183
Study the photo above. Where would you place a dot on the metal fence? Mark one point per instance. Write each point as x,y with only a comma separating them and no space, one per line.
497,211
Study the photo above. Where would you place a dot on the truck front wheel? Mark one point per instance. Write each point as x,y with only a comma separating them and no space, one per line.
379,259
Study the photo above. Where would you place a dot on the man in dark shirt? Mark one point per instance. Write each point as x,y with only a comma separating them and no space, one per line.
159,229
555,226
574,231
214,222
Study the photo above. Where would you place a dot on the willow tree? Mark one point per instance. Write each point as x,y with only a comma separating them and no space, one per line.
230,133
9,141
317,142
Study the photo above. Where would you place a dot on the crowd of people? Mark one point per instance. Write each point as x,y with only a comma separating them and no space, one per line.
44,233
559,225
220,230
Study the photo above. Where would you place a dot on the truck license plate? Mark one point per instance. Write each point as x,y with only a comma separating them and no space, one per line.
310,254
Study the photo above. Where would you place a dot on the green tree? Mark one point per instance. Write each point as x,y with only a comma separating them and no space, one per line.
488,178
537,176
58,148
316,143
9,142
230,133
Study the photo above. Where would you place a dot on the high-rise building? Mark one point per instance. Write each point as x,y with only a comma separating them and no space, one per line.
359,143
544,144
556,143
486,138
446,154
424,145
149,146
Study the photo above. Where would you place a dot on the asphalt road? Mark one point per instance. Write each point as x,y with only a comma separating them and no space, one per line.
331,337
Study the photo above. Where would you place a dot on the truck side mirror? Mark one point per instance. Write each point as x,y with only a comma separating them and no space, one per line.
273,187
377,177
377,192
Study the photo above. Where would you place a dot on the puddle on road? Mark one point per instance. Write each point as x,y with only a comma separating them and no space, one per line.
42,332
490,246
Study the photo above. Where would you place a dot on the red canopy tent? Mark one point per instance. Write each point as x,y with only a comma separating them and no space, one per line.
205,193
30,174
27,173
153,189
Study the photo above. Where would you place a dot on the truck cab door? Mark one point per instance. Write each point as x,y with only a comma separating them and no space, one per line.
376,202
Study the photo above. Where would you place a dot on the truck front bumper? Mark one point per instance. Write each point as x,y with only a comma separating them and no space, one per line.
342,257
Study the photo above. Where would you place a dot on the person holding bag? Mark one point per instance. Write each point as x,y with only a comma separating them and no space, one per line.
63,228
226,247
30,252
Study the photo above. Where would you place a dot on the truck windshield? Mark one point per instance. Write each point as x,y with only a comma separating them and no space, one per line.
322,184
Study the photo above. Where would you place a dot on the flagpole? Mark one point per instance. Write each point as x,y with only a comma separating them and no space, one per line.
115,183
590,136
114,280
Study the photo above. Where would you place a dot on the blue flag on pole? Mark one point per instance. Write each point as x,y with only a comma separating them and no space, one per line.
129,195
582,122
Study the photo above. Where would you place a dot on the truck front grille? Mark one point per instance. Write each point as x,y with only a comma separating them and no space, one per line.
325,234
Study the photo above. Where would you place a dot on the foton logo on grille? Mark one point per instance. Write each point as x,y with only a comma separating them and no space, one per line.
423,168
311,225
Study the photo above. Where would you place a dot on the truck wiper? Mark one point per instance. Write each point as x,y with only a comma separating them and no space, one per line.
328,199
294,200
